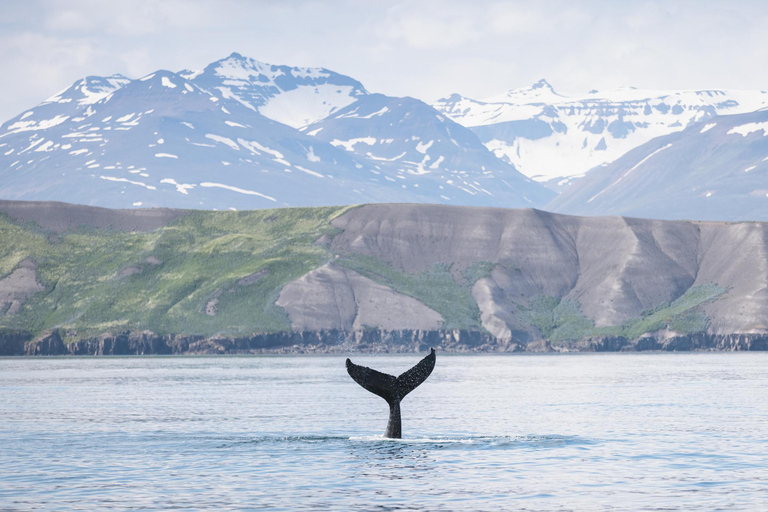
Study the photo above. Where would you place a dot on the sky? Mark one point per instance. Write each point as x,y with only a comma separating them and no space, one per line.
426,49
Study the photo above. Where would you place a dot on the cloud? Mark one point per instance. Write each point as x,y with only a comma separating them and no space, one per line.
134,18
431,24
424,48
39,65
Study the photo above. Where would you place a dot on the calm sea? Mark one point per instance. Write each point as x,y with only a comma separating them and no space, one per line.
518,432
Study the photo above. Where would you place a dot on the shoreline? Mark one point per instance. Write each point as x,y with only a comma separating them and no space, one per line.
51,343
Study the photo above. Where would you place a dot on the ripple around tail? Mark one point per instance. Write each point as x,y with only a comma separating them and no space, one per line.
484,442
529,442
520,441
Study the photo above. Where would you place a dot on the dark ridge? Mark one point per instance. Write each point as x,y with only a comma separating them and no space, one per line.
61,217
334,341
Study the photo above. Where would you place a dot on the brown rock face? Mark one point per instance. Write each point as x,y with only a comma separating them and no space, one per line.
61,217
334,297
18,286
47,344
615,268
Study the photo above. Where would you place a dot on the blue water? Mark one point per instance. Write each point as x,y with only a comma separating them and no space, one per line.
520,432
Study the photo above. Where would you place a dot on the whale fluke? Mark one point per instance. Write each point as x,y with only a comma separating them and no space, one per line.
392,389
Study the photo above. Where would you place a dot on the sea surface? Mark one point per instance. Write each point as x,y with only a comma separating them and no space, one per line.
502,432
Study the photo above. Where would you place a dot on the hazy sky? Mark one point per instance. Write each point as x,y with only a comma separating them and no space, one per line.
426,49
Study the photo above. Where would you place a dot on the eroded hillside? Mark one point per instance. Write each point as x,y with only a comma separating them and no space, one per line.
374,277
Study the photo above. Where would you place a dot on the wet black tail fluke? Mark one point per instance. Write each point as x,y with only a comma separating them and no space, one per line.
392,389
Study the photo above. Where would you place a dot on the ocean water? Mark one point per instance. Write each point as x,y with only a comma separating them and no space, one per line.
500,432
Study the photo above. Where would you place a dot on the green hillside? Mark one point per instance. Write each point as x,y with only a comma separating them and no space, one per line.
220,273
105,280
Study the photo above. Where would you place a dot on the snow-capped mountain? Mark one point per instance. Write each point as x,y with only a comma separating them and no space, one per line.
222,138
714,170
289,95
411,144
554,138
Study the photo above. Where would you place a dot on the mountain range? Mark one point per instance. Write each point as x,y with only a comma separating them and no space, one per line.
243,134
85,280
554,138
713,170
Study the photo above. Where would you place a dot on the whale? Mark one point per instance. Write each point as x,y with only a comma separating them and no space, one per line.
392,389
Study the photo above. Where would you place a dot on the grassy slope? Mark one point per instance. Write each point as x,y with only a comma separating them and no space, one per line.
562,320
203,254
435,288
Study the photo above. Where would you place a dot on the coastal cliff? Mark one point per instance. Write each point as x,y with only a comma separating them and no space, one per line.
375,278
331,342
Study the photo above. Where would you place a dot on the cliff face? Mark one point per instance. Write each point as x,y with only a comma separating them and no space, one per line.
13,343
369,341
609,273
385,277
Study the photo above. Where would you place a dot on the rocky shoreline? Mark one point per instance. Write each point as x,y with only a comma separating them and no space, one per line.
52,343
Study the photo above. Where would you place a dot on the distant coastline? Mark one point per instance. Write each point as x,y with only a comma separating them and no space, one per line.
370,341
81,280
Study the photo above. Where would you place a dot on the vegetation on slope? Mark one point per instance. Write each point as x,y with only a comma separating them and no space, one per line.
436,287
213,273
103,280
560,320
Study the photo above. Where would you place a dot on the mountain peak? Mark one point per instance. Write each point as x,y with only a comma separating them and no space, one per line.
89,89
542,84
539,92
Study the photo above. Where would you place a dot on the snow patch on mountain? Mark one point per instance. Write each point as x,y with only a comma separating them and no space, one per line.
227,137
548,136
290,95
306,105
748,128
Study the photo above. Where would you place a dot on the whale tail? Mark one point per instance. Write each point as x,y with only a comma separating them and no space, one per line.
392,389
